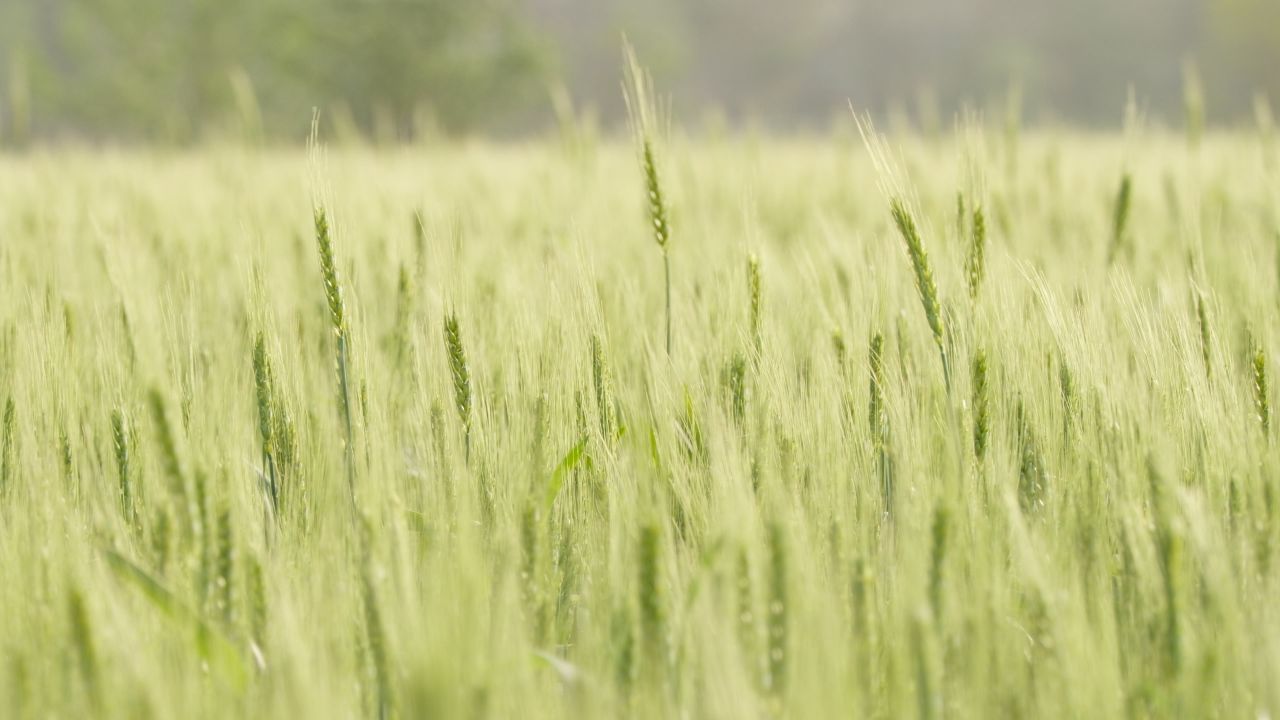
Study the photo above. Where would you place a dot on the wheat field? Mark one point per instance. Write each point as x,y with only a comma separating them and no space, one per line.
967,426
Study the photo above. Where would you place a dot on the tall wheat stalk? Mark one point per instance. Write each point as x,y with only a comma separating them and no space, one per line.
878,420
975,261
338,322
924,280
120,437
643,112
8,444
1261,393
461,374
263,381
753,290
1206,338
981,406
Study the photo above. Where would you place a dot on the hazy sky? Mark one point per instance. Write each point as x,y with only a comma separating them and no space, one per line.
797,61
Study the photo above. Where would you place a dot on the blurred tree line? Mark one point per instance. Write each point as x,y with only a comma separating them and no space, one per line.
176,70
180,70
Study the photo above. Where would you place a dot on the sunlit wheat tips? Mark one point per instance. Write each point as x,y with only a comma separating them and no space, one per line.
925,284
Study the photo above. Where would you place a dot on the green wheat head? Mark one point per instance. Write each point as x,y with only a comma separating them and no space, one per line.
753,289
8,446
262,380
1206,338
458,369
975,261
643,113
981,406
120,443
329,272
601,382
653,192
924,277
1261,394
338,321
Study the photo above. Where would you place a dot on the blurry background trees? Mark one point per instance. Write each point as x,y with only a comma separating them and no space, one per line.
176,69
180,70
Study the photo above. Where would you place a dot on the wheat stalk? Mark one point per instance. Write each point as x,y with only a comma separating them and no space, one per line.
600,381
375,637
1261,395
878,420
8,446
1202,317
975,260
1120,216
457,357
172,464
263,382
643,113
981,406
120,437
753,289
924,280
338,322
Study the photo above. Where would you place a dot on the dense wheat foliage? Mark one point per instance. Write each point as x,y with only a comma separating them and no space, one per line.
790,513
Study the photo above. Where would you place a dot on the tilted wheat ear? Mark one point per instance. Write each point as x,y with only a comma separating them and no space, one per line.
338,321
924,280
643,112
461,376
